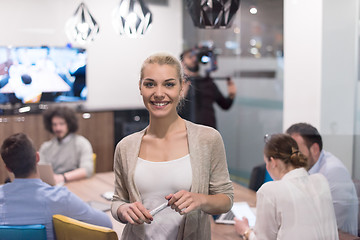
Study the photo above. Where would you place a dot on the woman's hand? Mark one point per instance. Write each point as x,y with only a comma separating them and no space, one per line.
184,202
134,213
241,226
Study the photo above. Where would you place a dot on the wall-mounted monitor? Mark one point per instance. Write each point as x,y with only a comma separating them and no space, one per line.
42,74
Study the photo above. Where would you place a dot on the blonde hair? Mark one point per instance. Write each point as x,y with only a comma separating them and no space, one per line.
163,59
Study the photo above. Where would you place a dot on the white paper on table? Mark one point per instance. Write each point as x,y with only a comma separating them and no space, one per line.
242,209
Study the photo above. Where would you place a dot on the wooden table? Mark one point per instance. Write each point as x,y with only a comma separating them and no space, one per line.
92,188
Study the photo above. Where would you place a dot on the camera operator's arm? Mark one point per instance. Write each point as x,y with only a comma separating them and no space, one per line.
231,88
226,102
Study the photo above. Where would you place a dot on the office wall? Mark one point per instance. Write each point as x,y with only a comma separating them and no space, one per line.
320,75
113,61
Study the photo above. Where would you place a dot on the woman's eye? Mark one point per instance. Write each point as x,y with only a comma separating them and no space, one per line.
170,84
148,84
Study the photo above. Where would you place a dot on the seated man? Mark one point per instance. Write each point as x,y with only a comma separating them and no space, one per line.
342,188
28,200
69,154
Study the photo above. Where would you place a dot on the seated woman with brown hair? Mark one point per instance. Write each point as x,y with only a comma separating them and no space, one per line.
294,206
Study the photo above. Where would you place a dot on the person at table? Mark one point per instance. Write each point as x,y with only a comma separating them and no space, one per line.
343,191
28,200
70,154
295,206
172,161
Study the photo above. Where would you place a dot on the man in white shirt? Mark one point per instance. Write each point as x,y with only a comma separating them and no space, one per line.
342,188
70,154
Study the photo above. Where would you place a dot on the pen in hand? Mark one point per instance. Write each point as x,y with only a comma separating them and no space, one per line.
159,208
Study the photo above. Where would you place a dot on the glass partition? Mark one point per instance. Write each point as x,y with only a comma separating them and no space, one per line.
251,52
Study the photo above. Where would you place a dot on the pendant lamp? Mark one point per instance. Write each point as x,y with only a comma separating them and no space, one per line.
212,14
132,18
81,27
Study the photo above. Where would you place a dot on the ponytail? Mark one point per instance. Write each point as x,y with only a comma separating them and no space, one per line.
297,159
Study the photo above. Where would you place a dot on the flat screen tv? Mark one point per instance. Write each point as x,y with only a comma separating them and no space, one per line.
42,74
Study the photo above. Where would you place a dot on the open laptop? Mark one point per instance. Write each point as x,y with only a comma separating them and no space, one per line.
47,174
239,210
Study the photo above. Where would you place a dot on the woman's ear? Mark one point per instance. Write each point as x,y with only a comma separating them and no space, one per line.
182,95
272,162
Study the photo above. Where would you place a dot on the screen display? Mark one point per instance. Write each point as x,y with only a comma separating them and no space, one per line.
42,74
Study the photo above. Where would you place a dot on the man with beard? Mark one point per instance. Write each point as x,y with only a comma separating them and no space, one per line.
201,93
342,188
69,154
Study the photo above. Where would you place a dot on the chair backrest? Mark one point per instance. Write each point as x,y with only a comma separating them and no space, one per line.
70,229
257,176
20,232
94,161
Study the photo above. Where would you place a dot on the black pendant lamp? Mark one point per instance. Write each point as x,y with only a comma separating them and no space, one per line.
212,14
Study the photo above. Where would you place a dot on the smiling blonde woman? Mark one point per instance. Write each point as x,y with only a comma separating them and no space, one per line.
171,161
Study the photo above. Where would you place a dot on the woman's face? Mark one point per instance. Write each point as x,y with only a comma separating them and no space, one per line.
161,89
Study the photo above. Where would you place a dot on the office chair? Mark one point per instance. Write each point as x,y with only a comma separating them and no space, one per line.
70,229
20,232
258,177
94,162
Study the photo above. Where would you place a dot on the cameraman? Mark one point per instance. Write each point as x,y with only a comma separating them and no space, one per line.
201,92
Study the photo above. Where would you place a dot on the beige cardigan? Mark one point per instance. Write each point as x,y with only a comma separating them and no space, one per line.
209,176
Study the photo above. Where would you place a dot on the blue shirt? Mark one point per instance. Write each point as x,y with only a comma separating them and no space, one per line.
267,178
342,189
31,201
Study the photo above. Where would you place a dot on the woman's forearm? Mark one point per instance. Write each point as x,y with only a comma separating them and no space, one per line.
216,204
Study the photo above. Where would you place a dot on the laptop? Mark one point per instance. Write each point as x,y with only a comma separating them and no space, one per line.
47,174
239,210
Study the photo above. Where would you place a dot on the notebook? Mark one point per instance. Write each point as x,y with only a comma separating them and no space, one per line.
239,210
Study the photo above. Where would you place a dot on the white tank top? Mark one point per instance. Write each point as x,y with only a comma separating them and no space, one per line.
155,180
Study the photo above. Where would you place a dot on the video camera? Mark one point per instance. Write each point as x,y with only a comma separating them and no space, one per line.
206,55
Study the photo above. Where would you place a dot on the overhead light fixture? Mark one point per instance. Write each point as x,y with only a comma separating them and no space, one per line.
212,14
81,27
132,18
253,10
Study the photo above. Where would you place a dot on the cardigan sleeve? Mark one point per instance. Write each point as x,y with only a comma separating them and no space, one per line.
219,174
121,194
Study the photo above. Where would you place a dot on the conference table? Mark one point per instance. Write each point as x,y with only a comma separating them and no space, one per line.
91,189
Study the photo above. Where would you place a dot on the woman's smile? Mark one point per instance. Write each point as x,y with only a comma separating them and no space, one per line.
159,104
